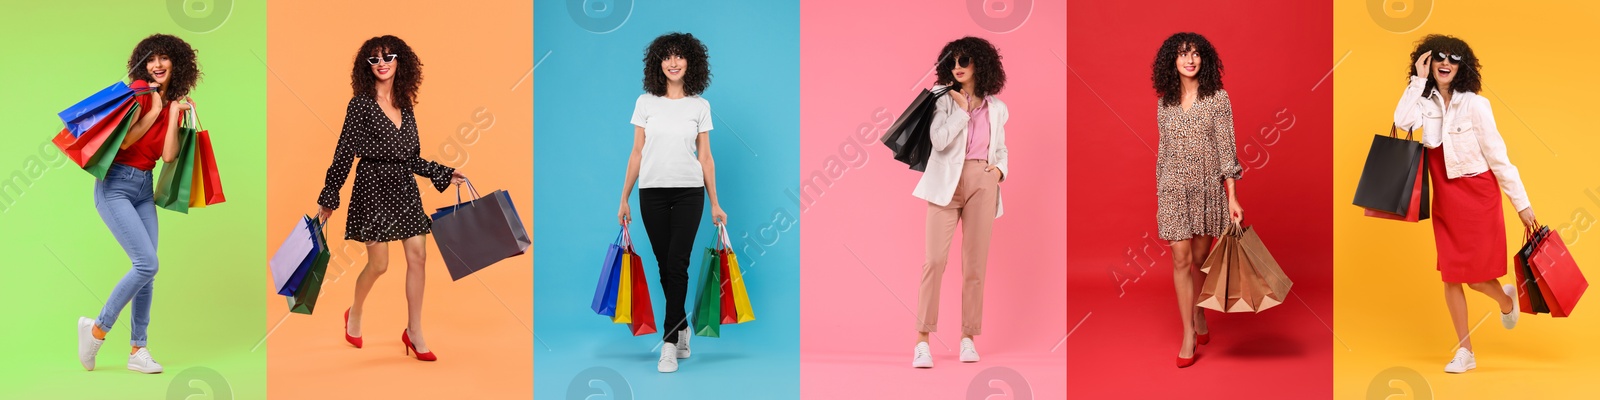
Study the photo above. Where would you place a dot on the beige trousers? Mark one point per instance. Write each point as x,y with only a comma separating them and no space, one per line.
973,206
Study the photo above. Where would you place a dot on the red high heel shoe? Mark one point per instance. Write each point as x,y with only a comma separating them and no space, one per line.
405,337
1204,338
1186,362
354,340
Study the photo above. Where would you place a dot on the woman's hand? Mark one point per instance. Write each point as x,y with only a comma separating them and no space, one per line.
1422,64
181,106
323,213
157,101
457,177
1528,220
961,99
623,216
998,174
1235,211
717,216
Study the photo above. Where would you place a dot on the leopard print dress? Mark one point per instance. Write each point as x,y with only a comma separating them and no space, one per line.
1196,154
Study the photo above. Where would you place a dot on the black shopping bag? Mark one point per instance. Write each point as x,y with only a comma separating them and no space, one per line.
908,137
1390,176
478,233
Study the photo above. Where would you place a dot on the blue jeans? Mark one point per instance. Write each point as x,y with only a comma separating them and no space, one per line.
126,201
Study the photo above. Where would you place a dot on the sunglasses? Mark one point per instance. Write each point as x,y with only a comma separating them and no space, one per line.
963,61
1454,58
388,58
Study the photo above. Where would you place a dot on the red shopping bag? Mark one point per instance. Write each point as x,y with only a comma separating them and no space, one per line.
212,179
1419,208
1560,281
644,318
730,312
83,147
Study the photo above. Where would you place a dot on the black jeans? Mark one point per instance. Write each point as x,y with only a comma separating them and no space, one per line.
671,220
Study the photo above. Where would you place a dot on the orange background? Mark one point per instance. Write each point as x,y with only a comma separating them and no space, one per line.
475,114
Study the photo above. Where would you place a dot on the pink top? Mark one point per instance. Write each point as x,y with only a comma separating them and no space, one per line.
978,133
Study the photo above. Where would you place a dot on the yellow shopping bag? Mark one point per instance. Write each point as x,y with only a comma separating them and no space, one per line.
625,290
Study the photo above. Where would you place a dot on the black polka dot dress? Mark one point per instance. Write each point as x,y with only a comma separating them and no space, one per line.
385,204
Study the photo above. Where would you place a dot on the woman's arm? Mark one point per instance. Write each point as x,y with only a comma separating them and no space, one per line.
949,121
142,126
709,167
1408,113
343,156
1494,152
623,216
173,144
1226,149
1002,156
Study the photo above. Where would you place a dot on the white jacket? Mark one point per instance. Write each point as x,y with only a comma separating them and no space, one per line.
1466,129
949,135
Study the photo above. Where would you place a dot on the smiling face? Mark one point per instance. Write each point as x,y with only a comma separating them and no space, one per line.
674,67
385,66
1188,61
159,66
964,70
1445,67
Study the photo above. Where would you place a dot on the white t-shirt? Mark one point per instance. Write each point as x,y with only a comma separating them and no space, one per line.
670,129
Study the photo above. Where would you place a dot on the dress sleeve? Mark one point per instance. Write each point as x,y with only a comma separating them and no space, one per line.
343,156
437,173
1226,147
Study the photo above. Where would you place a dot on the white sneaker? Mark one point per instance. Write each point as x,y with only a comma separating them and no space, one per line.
88,346
141,361
683,343
923,357
1463,362
969,352
1510,319
669,358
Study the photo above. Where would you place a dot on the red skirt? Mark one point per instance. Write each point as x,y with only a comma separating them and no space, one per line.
1469,229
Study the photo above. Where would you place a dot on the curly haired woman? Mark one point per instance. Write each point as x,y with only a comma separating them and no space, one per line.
1195,169
126,197
385,205
671,161
962,185
1469,168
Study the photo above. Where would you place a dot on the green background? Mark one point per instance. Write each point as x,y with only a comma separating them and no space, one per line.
60,260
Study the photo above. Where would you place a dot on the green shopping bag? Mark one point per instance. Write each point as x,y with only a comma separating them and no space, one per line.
304,300
708,303
101,161
172,190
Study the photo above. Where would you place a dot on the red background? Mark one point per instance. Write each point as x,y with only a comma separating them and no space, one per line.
1125,331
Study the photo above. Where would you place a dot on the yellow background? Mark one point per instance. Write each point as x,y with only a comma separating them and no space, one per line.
1389,306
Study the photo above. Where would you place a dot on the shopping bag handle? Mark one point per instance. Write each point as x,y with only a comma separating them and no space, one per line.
722,237
1394,132
470,189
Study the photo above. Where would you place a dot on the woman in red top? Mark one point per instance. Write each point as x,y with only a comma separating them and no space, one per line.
126,197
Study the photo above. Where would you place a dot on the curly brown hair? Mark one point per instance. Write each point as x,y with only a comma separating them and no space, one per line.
1164,75
185,72
1467,78
407,71
989,73
695,80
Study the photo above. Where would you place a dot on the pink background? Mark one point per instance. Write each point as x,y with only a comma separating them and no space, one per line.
861,239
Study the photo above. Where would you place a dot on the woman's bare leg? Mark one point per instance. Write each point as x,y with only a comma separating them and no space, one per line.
1493,289
416,248
1456,300
377,264
1200,246
1183,280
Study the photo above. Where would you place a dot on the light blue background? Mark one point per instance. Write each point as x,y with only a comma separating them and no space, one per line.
585,84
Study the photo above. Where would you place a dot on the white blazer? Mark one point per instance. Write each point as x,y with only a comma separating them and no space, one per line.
949,135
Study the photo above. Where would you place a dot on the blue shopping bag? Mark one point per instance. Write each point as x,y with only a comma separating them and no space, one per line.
90,111
605,292
314,228
291,255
